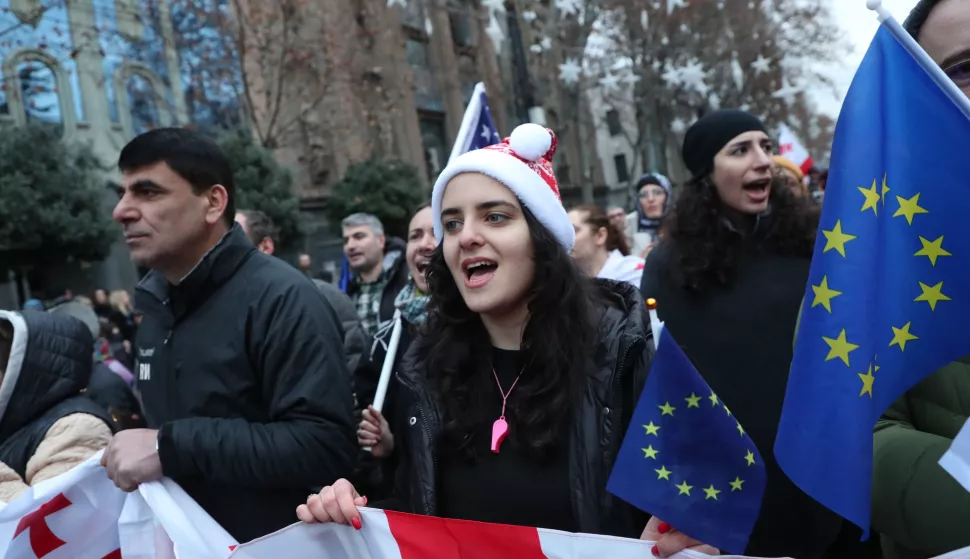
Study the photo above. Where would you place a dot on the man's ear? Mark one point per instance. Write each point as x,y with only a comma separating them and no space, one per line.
218,198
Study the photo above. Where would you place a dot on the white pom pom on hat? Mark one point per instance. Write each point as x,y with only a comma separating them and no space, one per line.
523,163
531,141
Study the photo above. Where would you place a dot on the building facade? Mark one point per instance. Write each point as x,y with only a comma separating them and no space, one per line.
101,71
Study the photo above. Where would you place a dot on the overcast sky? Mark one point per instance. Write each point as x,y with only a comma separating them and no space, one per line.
860,25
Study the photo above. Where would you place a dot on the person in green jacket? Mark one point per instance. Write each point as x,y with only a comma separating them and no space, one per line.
917,507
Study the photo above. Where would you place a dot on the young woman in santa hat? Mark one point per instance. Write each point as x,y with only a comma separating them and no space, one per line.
523,384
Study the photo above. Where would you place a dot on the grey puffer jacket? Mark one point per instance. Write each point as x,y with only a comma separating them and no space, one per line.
355,339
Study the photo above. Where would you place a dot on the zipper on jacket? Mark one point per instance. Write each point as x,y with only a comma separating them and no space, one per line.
427,430
434,454
618,423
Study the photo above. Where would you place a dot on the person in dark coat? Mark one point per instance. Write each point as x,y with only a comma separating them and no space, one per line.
240,362
379,271
375,470
263,234
729,280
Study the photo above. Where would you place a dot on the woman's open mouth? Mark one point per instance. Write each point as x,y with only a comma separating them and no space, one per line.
478,271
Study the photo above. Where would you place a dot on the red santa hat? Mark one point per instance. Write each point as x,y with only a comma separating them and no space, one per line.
523,163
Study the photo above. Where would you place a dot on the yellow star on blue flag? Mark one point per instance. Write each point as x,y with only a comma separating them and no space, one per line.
888,292
693,466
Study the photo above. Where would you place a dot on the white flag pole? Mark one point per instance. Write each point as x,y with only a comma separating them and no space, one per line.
924,60
656,326
387,369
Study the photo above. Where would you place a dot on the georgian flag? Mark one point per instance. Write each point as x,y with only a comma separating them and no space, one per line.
80,514
791,149
393,535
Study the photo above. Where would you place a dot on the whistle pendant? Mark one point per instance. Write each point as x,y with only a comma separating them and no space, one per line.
500,429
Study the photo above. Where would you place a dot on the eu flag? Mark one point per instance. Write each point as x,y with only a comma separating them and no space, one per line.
888,292
477,128
686,460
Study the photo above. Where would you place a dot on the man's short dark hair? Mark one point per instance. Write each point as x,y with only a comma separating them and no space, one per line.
259,226
917,17
192,155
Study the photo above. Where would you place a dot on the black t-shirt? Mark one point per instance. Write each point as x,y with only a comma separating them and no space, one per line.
511,487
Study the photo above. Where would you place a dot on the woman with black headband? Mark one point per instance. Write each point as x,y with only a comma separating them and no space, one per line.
729,278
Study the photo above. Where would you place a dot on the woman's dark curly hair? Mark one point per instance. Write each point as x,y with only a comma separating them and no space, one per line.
556,347
708,250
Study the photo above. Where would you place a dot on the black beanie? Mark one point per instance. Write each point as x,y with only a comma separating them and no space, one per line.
711,133
917,17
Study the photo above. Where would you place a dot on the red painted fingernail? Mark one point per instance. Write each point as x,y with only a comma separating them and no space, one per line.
655,551
356,522
663,528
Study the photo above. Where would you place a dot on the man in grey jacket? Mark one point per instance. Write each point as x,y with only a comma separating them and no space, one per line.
262,232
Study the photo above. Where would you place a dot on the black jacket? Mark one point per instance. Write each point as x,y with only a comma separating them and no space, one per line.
113,394
740,338
241,368
622,360
394,257
45,377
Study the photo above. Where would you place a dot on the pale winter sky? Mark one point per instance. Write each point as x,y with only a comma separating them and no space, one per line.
860,25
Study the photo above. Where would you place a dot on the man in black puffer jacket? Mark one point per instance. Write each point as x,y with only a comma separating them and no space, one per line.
47,425
240,362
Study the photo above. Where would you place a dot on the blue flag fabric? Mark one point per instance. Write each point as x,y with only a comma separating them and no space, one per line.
686,460
345,274
888,292
477,127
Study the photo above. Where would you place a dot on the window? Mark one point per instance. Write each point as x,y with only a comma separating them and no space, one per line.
622,171
4,104
461,23
412,14
436,150
142,104
425,90
40,95
613,122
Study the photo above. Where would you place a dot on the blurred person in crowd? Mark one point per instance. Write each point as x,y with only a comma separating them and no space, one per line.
305,264
262,232
47,424
122,313
379,271
729,280
617,216
600,249
374,429
511,319
791,175
653,198
240,361
100,297
917,507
